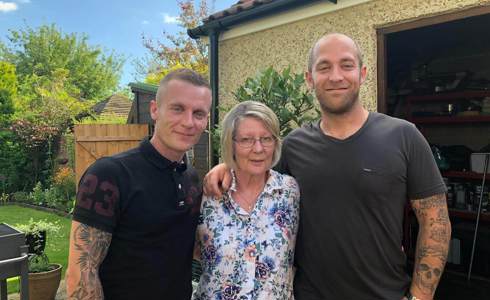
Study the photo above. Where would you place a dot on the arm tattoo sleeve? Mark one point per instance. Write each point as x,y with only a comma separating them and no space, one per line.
432,243
92,245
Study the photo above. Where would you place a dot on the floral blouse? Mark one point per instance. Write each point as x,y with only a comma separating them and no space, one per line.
249,255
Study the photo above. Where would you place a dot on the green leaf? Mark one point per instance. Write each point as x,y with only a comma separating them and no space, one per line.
284,92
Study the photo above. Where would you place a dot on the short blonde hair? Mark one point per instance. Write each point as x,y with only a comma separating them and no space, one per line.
183,74
248,109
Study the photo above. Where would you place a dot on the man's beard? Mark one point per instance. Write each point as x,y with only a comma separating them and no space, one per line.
344,108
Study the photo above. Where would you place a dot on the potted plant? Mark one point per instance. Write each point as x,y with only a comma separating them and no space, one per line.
44,277
35,232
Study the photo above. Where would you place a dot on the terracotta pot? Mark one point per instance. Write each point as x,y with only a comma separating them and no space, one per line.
44,285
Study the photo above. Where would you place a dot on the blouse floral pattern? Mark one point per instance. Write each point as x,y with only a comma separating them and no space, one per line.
249,255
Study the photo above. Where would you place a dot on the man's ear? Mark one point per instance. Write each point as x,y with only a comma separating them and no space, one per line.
154,110
309,79
363,74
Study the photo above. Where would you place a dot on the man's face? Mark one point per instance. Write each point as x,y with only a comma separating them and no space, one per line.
180,117
336,75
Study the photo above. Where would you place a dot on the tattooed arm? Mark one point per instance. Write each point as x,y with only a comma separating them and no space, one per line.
88,248
432,244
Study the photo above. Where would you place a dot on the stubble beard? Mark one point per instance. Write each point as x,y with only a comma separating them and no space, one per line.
348,104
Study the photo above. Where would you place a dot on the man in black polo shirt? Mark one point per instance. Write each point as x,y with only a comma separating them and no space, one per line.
136,213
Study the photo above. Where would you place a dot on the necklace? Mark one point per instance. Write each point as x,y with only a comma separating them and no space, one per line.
244,203
253,194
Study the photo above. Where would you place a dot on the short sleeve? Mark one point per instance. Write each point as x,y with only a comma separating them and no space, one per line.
98,196
282,166
424,178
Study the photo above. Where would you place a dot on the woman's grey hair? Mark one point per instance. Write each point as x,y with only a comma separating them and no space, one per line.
248,109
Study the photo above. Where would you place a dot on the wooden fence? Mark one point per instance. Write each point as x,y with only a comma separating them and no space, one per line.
98,140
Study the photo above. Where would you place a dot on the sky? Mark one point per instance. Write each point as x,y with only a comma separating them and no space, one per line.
113,25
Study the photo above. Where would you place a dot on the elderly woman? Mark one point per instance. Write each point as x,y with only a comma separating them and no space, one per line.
246,239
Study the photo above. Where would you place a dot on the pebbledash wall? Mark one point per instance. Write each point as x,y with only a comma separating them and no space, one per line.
285,39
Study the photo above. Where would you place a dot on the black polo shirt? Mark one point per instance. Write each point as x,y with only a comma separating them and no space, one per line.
151,206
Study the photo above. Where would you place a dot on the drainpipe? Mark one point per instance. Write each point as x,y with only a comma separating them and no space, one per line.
214,77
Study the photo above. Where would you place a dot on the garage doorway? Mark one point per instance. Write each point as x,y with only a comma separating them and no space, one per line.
435,73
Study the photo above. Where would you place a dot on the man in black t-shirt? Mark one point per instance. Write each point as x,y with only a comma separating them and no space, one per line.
356,170
136,213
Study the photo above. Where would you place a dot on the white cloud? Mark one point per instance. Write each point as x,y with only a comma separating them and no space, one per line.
145,22
168,19
7,6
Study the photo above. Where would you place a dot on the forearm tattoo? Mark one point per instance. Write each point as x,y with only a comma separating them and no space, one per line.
92,245
432,242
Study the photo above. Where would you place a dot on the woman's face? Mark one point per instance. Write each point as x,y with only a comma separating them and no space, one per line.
257,158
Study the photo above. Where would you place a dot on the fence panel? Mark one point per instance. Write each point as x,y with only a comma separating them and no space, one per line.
94,141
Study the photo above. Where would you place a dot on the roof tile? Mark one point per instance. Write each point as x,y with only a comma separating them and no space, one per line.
236,8
116,104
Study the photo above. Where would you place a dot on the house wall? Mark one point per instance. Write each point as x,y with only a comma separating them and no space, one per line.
288,44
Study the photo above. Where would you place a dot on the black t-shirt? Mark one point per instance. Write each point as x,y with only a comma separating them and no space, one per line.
353,194
151,206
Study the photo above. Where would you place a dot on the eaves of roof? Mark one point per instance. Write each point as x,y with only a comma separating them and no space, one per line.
144,87
244,11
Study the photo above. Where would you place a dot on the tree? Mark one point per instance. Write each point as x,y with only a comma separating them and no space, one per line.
8,90
50,100
42,116
8,78
44,51
54,78
13,160
178,51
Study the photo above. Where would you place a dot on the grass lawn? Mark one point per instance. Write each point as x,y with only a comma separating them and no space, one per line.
56,246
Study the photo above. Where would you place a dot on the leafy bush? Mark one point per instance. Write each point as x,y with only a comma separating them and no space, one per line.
4,198
15,165
53,198
6,106
21,197
284,93
35,227
64,181
69,148
59,195
37,194
8,89
63,190
38,263
36,139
